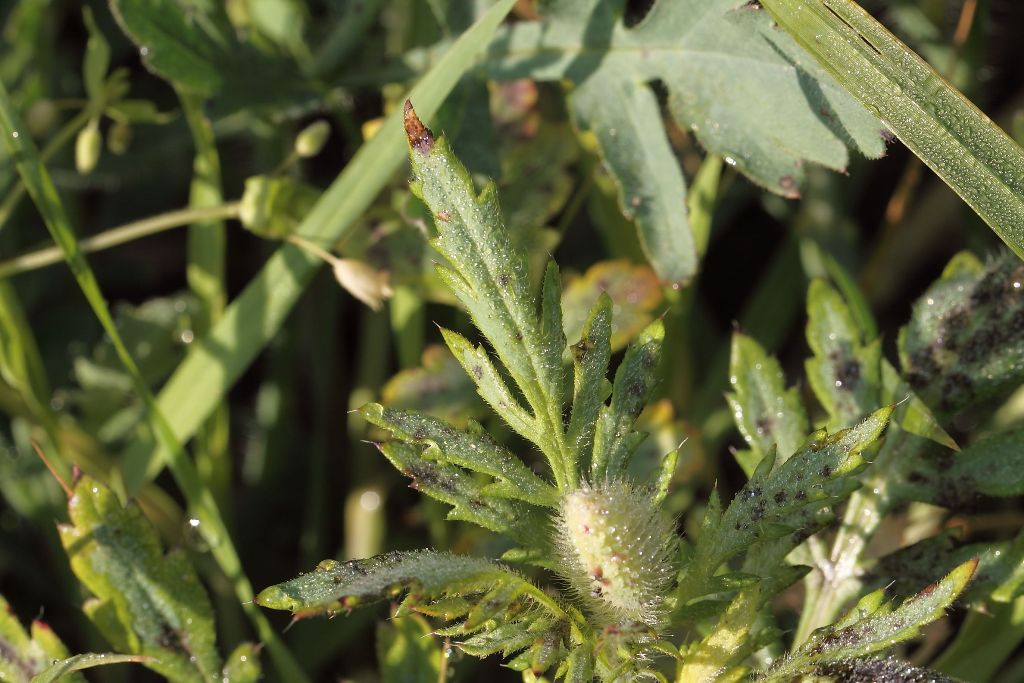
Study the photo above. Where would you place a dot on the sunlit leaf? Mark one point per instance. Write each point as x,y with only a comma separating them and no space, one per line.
873,626
949,134
748,91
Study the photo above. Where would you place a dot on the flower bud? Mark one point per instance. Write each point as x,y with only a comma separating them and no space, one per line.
617,547
88,146
312,139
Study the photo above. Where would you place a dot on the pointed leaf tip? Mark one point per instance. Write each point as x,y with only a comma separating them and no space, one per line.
420,137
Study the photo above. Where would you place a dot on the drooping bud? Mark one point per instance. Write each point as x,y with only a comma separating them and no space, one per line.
362,281
617,547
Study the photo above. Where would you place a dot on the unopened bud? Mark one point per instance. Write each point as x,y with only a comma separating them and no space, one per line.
88,146
617,547
312,139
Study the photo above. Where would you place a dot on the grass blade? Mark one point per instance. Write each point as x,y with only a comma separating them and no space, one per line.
207,247
201,503
962,145
199,384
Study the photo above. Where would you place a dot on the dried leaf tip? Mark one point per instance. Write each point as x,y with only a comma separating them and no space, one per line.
420,137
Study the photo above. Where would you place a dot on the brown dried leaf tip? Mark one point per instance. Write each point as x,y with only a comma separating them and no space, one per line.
420,137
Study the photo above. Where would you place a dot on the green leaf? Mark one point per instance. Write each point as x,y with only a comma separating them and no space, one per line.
146,602
96,61
405,651
191,51
872,670
993,466
471,500
474,450
845,371
912,415
490,277
614,440
773,503
965,338
905,570
62,669
24,656
214,364
590,357
500,610
873,627
626,121
747,90
766,413
949,134
637,297
424,575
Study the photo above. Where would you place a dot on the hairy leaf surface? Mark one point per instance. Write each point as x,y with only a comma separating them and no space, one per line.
874,626
146,602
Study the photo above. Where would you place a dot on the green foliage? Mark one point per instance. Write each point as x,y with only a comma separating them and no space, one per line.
25,656
145,602
722,93
873,626
578,434
963,344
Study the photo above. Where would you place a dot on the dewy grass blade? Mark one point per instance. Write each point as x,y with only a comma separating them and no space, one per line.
200,501
199,384
956,140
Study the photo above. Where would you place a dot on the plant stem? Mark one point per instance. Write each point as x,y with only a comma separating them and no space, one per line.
119,235
207,242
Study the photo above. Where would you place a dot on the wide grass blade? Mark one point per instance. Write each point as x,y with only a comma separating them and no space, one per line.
199,384
961,144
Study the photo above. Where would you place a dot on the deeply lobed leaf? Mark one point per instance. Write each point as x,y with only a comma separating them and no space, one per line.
776,499
490,277
766,413
146,602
